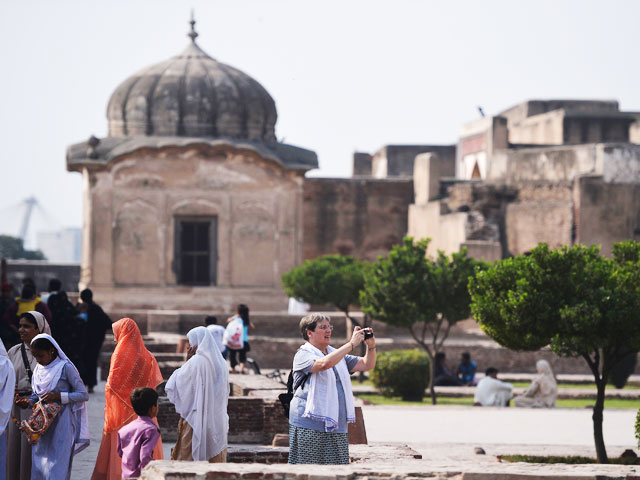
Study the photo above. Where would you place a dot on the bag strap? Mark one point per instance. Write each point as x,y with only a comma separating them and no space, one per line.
25,360
300,383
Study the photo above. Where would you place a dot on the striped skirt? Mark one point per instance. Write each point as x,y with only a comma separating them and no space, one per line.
322,448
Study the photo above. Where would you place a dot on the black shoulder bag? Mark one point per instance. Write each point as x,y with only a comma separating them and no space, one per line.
26,361
285,398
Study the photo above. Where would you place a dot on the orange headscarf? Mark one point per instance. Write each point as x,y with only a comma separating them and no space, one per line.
132,366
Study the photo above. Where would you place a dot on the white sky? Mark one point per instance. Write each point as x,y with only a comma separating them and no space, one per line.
346,75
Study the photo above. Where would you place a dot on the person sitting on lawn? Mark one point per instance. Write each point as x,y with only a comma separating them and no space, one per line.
467,370
443,376
492,392
543,390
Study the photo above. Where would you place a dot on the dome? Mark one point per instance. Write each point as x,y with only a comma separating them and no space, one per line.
192,95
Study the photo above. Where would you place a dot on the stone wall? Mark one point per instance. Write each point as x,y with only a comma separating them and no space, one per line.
606,213
397,160
532,222
350,216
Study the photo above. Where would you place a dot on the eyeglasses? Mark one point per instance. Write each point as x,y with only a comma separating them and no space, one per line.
326,327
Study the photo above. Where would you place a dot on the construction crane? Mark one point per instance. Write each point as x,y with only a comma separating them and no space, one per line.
29,204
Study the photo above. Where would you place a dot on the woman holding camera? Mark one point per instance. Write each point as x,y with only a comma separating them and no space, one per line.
322,404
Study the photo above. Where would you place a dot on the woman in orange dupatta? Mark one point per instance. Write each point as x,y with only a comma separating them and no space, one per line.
132,366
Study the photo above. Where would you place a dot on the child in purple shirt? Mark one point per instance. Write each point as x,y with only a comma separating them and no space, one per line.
137,439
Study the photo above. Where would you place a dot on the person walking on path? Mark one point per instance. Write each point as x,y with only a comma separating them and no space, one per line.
7,385
26,302
217,331
6,300
18,448
66,325
56,380
322,404
242,317
97,324
138,439
132,366
200,392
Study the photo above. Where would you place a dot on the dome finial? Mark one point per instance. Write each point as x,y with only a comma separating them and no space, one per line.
193,34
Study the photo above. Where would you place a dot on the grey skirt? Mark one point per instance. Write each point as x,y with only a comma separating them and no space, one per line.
322,448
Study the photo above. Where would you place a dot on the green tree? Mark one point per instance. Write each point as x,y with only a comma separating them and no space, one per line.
573,299
330,279
12,248
428,297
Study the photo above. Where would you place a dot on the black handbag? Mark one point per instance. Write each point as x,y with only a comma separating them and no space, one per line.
285,398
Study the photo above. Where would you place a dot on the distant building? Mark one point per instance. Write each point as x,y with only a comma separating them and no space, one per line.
62,245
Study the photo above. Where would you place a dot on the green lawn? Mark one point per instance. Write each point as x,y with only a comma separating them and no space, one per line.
591,386
468,401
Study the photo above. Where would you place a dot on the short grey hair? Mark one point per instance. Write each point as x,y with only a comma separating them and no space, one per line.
310,321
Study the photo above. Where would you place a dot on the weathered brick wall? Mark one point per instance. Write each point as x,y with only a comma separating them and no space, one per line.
246,420
252,419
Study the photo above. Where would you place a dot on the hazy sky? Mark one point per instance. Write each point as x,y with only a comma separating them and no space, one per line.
346,75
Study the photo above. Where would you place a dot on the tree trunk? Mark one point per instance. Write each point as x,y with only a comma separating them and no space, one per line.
601,385
598,409
432,389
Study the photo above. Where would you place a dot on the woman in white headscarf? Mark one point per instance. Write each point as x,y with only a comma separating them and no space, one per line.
55,379
18,449
7,386
200,392
543,390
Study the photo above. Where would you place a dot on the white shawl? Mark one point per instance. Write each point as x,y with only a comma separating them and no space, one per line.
44,380
200,392
322,400
7,387
41,320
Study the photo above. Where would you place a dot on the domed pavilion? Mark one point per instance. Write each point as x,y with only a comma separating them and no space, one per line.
191,203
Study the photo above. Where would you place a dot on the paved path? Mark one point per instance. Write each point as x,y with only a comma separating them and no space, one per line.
561,426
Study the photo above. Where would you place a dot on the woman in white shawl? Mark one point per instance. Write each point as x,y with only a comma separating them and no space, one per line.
55,379
322,404
7,386
18,448
200,392
543,390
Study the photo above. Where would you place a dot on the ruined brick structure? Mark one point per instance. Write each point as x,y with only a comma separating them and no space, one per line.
560,172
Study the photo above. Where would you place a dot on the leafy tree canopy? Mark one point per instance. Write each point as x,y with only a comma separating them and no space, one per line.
573,299
12,248
406,289
329,279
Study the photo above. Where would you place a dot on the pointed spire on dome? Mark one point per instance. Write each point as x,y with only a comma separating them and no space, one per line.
193,34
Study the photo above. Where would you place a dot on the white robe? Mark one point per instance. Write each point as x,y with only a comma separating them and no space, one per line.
492,392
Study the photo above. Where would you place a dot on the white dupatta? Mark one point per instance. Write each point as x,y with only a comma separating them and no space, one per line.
200,392
7,388
322,400
44,380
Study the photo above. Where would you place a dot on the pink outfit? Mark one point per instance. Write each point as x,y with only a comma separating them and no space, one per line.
136,442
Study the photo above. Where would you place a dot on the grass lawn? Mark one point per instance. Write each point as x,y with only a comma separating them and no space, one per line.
468,401
591,386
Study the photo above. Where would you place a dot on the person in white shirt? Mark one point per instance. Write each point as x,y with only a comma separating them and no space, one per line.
217,331
492,392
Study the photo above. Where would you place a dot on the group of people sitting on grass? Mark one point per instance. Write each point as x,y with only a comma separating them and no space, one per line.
492,392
